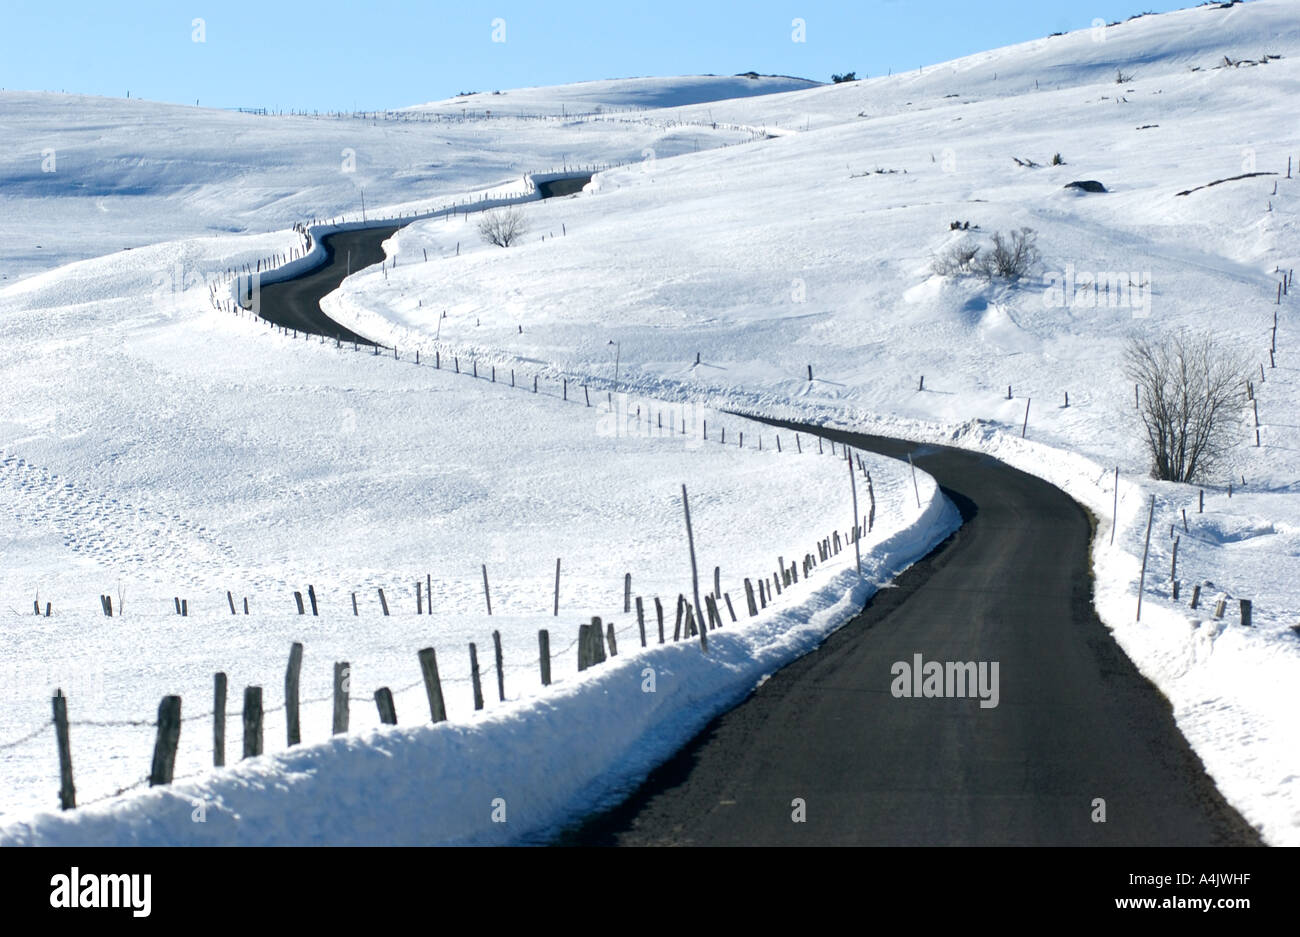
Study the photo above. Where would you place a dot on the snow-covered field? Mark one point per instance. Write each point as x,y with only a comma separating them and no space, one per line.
181,452
253,464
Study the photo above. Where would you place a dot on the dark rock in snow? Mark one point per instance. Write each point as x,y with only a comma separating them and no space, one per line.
1087,185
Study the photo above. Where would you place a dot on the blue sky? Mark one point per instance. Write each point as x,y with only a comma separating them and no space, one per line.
389,53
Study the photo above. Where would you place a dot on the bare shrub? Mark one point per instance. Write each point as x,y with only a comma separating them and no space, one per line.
1012,256
956,259
1190,392
502,226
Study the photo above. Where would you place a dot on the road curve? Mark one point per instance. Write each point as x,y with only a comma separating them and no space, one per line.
1075,721
295,304
1075,724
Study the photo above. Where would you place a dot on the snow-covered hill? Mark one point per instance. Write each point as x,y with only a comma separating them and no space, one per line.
617,95
88,175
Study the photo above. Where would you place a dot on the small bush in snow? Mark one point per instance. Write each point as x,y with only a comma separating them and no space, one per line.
1012,256
957,259
502,226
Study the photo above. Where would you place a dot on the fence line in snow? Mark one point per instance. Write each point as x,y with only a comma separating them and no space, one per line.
596,643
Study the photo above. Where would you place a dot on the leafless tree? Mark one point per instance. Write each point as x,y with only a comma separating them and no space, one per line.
1191,392
502,226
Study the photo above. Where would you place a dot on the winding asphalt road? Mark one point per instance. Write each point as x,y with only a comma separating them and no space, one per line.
295,304
1075,721
1076,724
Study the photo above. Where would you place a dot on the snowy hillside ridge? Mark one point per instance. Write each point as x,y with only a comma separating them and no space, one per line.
85,183
1192,40
624,95
514,773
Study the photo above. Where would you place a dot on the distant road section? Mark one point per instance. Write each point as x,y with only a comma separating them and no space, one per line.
295,304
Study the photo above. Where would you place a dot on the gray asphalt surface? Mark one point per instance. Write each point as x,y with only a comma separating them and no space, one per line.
295,304
1075,720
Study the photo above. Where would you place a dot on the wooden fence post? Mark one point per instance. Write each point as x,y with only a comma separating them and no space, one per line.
730,611
293,728
627,593
219,720
384,702
853,484
584,643
1196,594
613,643
501,670
487,593
231,599
311,595
677,626
474,675
383,601
432,684
640,618
354,605
556,611
252,721
749,598
695,574
1145,550
659,613
597,636
1245,613
67,792
169,734
342,688
544,655
297,597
